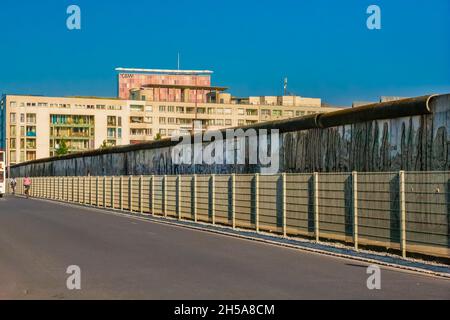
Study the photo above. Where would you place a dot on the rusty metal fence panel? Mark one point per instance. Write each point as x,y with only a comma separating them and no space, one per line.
186,197
146,196
223,199
270,203
335,213
203,198
378,209
427,211
299,204
244,203
158,195
171,196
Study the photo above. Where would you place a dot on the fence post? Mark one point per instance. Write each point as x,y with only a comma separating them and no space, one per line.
194,197
141,193
283,181
104,191
83,194
213,198
130,193
152,195
112,192
402,213
165,195
178,197
97,191
316,205
121,192
257,202
355,207
233,200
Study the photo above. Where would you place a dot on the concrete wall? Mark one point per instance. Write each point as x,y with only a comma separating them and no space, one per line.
414,143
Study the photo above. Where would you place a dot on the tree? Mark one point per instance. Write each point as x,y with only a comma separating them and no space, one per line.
61,148
158,136
105,145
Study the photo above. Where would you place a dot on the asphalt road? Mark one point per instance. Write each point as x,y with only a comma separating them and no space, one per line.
125,258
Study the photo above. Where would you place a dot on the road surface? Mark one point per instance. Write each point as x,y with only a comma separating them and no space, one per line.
126,258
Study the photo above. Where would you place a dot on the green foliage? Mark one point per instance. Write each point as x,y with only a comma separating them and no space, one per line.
62,148
105,145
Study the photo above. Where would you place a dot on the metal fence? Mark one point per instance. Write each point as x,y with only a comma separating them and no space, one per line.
404,211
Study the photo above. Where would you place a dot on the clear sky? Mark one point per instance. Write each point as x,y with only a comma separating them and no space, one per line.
323,47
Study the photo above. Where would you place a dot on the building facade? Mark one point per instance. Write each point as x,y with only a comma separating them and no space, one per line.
150,106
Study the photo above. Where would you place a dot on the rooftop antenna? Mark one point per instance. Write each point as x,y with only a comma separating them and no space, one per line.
178,61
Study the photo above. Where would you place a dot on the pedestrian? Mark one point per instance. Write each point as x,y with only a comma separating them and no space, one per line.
27,186
13,184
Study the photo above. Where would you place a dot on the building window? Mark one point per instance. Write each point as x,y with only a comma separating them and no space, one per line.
180,109
136,107
22,131
170,108
12,143
171,120
22,118
148,108
277,112
31,118
31,155
119,121
111,121
12,104
119,133
240,122
12,131
162,120
240,112
162,108
299,113
111,133
289,113
12,157
12,117
228,122
265,112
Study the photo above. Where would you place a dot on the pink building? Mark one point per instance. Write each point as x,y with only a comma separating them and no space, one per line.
165,85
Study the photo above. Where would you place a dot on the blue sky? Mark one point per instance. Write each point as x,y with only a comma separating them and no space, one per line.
323,47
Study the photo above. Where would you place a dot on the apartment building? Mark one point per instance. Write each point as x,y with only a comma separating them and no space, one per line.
151,104
32,127
180,100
